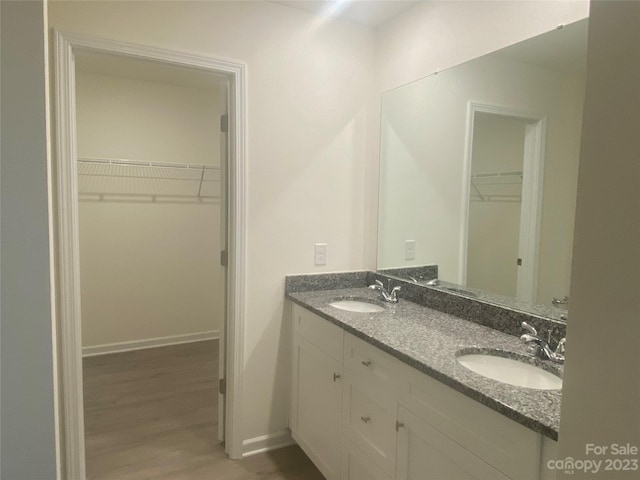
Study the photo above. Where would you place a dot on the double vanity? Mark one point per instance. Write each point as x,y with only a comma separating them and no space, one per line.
461,378
383,390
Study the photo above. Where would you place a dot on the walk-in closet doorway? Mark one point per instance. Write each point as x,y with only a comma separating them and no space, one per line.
150,221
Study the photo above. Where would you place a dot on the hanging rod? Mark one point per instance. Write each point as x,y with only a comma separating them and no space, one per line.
143,163
497,198
497,175
145,198
167,179
495,180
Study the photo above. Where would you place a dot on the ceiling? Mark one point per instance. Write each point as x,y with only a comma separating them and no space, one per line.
370,13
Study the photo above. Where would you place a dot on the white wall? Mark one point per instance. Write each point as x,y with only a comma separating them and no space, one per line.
423,141
601,390
308,91
148,269
139,119
28,447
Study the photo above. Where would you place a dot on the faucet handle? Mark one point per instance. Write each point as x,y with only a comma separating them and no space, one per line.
529,329
534,349
394,293
561,345
379,283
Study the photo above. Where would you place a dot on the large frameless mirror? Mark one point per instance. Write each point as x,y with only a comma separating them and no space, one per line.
478,173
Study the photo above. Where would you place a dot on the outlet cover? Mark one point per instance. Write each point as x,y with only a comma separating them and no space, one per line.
320,254
410,250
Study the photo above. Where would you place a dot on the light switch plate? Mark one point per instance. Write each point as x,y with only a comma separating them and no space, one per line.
320,254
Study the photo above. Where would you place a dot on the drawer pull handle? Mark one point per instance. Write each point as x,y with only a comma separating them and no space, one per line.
366,363
336,376
365,419
399,425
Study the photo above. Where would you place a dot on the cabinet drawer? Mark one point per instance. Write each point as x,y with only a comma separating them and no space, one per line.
356,465
370,364
501,442
322,333
369,420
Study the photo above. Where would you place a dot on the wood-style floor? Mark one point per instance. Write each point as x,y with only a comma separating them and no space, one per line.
152,414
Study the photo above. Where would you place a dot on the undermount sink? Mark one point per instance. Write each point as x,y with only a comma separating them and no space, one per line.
360,306
511,371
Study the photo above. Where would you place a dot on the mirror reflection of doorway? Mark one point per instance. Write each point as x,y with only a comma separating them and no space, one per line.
502,226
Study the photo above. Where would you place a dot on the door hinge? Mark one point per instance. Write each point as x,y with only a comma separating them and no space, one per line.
519,262
399,425
224,258
224,123
222,386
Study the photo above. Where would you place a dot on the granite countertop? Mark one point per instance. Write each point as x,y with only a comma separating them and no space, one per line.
429,341
501,300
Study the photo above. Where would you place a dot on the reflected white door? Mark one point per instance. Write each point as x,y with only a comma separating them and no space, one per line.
505,158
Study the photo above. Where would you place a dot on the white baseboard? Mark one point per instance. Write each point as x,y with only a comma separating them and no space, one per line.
118,347
264,443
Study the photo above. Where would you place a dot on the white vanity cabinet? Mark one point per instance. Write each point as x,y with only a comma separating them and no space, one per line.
424,452
370,401
361,414
356,465
466,435
316,390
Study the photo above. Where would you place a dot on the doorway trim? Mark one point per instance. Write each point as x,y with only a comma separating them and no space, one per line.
533,169
67,248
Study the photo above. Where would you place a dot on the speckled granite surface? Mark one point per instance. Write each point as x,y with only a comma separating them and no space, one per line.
328,281
547,311
429,341
476,309
421,273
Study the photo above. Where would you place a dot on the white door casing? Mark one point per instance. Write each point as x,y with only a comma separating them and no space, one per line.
67,45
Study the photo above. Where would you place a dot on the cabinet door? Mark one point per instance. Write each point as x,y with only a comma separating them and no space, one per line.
318,396
426,453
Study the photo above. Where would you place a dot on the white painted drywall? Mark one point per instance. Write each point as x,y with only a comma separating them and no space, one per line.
309,87
601,391
423,141
28,446
132,118
494,224
148,270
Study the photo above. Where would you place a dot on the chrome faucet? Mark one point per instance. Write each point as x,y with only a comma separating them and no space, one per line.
391,297
560,301
541,348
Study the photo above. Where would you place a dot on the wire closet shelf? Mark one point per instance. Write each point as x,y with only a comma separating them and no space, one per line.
106,179
496,187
